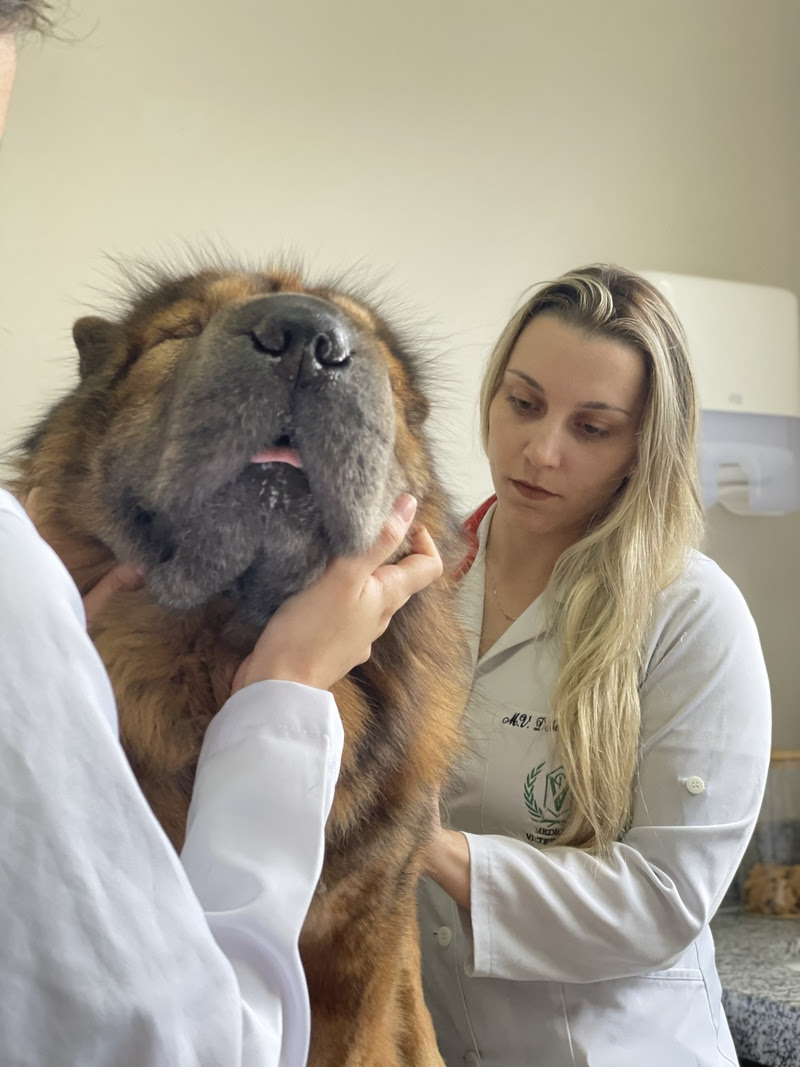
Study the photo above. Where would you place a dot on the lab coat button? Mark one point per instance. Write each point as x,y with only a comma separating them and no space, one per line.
472,1059
444,935
695,784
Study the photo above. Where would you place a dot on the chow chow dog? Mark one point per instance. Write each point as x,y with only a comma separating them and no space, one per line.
235,429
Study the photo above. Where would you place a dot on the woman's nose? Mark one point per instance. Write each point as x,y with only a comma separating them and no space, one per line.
544,444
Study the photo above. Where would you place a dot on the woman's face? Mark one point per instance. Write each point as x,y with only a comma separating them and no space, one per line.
563,426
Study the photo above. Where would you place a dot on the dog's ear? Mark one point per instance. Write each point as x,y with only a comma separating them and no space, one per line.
95,339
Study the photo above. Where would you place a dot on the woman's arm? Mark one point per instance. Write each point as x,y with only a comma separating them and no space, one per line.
561,914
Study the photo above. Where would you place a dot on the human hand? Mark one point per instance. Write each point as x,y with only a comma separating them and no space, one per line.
317,636
446,858
122,578
435,832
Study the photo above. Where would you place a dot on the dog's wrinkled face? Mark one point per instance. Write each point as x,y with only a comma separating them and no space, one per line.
242,429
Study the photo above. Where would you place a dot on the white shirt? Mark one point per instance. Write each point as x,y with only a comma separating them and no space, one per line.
567,960
113,952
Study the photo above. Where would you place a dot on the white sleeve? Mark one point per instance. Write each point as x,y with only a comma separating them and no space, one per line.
254,849
560,914
108,957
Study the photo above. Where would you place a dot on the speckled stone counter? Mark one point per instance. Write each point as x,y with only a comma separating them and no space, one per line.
758,959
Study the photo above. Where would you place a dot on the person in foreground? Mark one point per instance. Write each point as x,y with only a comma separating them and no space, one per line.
619,723
115,951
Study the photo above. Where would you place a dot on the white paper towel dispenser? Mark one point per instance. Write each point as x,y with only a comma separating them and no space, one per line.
745,349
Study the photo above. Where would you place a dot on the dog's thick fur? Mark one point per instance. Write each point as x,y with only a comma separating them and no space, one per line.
150,458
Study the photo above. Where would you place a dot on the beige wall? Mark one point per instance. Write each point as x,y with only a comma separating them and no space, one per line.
467,149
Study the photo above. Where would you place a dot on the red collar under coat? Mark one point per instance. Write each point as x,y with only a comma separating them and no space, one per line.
470,528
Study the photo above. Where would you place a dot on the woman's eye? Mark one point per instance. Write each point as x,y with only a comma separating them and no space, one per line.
519,404
594,431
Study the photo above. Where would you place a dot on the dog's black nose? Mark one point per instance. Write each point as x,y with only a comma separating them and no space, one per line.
303,332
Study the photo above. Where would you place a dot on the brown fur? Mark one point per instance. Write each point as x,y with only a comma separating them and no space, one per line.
172,670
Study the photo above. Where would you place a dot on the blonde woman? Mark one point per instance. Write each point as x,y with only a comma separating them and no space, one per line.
618,730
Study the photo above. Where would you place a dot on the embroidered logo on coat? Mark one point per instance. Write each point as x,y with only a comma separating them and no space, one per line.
547,799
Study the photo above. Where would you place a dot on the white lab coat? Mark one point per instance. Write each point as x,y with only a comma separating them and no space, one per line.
113,952
567,960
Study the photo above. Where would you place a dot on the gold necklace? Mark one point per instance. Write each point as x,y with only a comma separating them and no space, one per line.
493,591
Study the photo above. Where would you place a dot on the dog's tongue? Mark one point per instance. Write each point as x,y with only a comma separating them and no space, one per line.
278,455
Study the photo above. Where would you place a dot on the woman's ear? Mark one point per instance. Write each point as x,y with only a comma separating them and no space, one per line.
95,339
630,473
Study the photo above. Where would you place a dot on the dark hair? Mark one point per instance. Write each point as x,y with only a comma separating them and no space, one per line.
24,15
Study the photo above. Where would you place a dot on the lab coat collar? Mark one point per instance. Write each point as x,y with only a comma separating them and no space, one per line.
534,622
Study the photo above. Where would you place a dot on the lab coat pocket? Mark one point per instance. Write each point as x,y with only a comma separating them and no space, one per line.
661,1019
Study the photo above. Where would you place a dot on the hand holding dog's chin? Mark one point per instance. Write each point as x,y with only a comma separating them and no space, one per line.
319,635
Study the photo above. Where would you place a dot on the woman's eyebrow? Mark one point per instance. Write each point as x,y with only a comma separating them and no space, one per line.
527,378
598,405
593,405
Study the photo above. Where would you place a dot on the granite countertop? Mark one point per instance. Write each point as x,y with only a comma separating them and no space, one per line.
758,959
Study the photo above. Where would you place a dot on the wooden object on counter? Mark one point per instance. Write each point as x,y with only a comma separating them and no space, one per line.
772,886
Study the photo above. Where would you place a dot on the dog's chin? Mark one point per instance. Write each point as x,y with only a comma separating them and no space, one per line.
251,557
259,592
256,540
255,595
257,558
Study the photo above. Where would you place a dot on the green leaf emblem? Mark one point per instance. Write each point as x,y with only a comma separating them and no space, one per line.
530,800
550,808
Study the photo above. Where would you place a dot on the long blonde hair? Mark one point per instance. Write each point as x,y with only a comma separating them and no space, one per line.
605,585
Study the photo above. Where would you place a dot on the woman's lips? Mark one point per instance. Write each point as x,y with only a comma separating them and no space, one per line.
532,492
